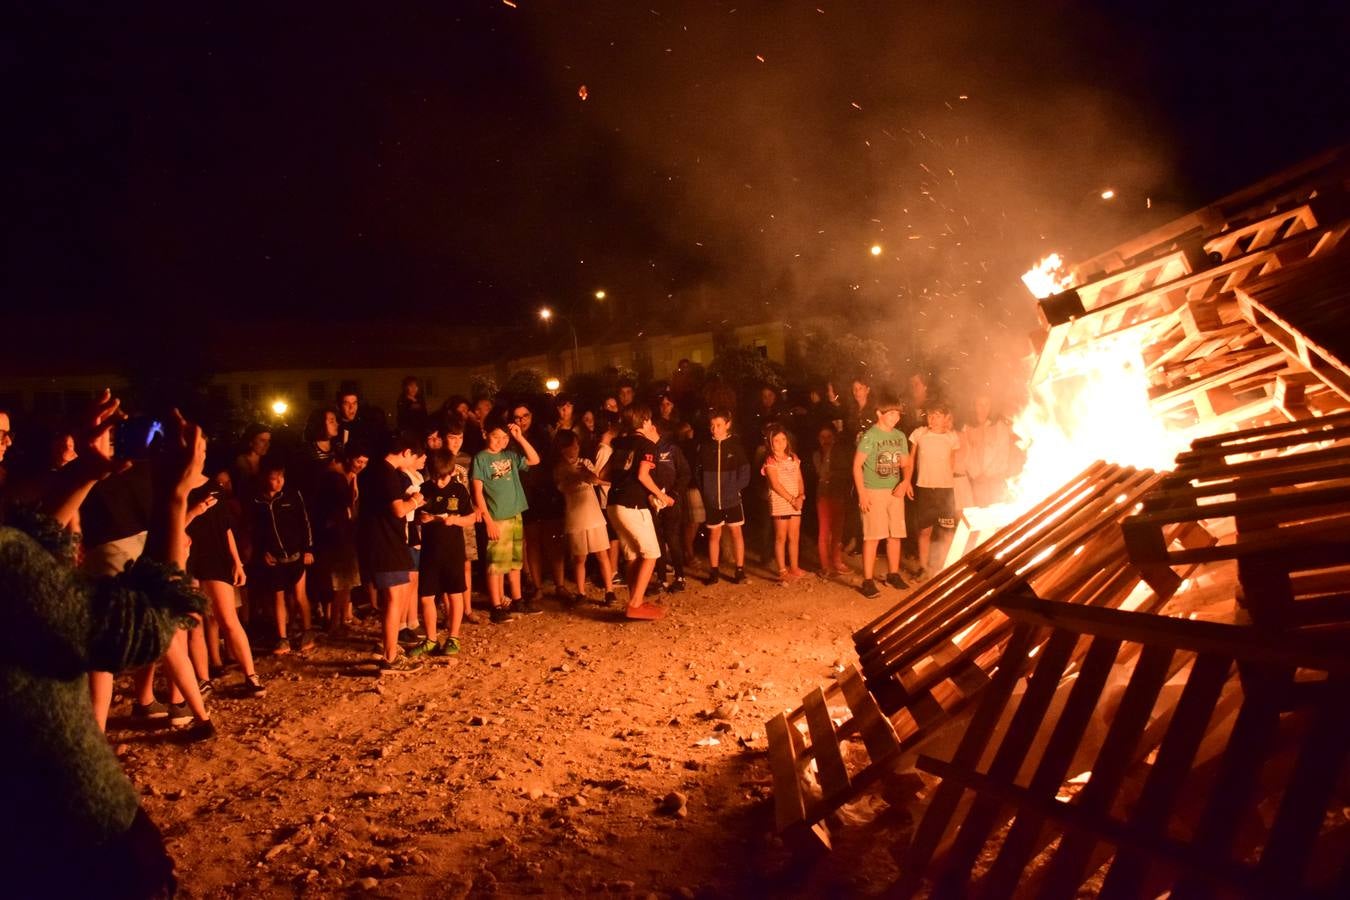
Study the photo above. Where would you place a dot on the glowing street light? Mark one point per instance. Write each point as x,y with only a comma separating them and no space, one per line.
280,406
552,385
545,313
600,295
876,249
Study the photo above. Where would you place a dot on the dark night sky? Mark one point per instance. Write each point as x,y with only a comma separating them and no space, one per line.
383,160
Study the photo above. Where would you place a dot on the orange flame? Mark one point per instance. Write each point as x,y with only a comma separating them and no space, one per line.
1048,277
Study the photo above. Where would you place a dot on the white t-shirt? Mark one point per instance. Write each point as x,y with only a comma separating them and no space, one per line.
935,456
602,455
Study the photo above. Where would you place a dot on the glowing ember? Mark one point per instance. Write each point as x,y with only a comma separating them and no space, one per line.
1048,277
582,92
1108,194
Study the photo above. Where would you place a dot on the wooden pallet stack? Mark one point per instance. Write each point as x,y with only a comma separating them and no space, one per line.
1138,685
922,663
1219,305
1211,747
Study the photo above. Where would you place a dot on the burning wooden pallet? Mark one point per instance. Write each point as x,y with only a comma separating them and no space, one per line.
1112,538
1281,513
924,662
1209,723
1201,310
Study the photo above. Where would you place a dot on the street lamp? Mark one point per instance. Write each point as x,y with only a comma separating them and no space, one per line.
600,295
547,316
876,249
552,385
280,406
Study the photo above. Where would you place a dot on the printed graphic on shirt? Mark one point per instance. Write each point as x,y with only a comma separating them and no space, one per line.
889,463
501,468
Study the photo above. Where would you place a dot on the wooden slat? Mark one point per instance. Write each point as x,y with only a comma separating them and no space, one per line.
1176,754
983,814
1118,751
789,810
1302,810
825,747
1232,793
1238,641
1178,854
878,734
937,817
1021,840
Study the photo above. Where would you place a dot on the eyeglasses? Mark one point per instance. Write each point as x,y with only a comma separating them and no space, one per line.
522,417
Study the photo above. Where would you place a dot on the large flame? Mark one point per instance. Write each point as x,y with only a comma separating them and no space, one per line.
1048,277
1094,407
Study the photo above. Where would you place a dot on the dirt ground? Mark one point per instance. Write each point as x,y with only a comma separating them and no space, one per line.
564,753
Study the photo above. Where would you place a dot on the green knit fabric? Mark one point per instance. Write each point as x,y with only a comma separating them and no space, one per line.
61,784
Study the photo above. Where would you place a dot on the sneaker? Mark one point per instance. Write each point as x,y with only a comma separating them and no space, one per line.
895,581
713,576
529,606
739,576
447,647
421,649
253,687
869,589
205,687
610,598
282,648
150,711
215,671
407,636
676,586
200,731
500,615
618,581
179,714
400,663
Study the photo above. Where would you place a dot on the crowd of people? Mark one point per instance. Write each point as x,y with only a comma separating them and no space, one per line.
615,500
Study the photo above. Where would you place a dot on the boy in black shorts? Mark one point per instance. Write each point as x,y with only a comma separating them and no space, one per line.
440,571
724,473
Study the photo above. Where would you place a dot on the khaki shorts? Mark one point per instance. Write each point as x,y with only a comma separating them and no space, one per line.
506,553
886,518
637,532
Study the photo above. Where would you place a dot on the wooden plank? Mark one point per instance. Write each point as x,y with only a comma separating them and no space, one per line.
1176,754
789,810
825,747
1020,843
878,734
1119,749
1238,641
937,817
1316,773
1233,791
1220,874
982,817
1273,437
